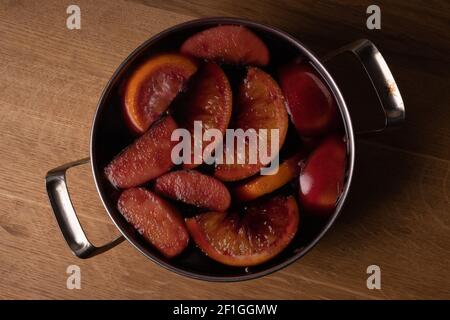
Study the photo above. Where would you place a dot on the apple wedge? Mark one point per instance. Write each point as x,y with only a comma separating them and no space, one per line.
148,157
195,188
155,219
322,177
311,104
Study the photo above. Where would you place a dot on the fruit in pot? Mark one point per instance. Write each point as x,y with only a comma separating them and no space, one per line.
264,184
260,105
155,219
148,157
153,86
258,233
311,105
195,188
322,177
209,100
228,43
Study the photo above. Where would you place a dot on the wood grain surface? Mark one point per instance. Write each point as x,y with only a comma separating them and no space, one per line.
398,212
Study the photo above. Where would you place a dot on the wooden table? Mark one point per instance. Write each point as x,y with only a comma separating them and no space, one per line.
398,213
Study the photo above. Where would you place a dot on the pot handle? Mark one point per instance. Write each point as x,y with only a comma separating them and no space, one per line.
367,85
70,226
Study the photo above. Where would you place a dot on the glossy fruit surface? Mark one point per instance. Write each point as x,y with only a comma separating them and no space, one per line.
260,105
209,100
155,219
264,184
152,87
228,43
311,104
236,215
148,157
194,188
258,233
322,178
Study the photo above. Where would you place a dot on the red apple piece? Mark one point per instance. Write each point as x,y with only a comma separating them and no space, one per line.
194,188
155,219
322,178
311,105
146,158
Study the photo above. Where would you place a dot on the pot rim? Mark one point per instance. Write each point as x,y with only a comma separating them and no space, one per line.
325,75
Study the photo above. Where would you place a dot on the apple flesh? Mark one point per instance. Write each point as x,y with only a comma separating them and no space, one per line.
155,219
195,188
148,157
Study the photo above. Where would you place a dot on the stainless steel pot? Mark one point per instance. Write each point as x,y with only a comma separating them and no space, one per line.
357,75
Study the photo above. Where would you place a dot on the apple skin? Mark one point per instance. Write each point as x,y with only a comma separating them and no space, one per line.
322,177
311,105
155,219
248,238
151,88
148,157
228,43
195,188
